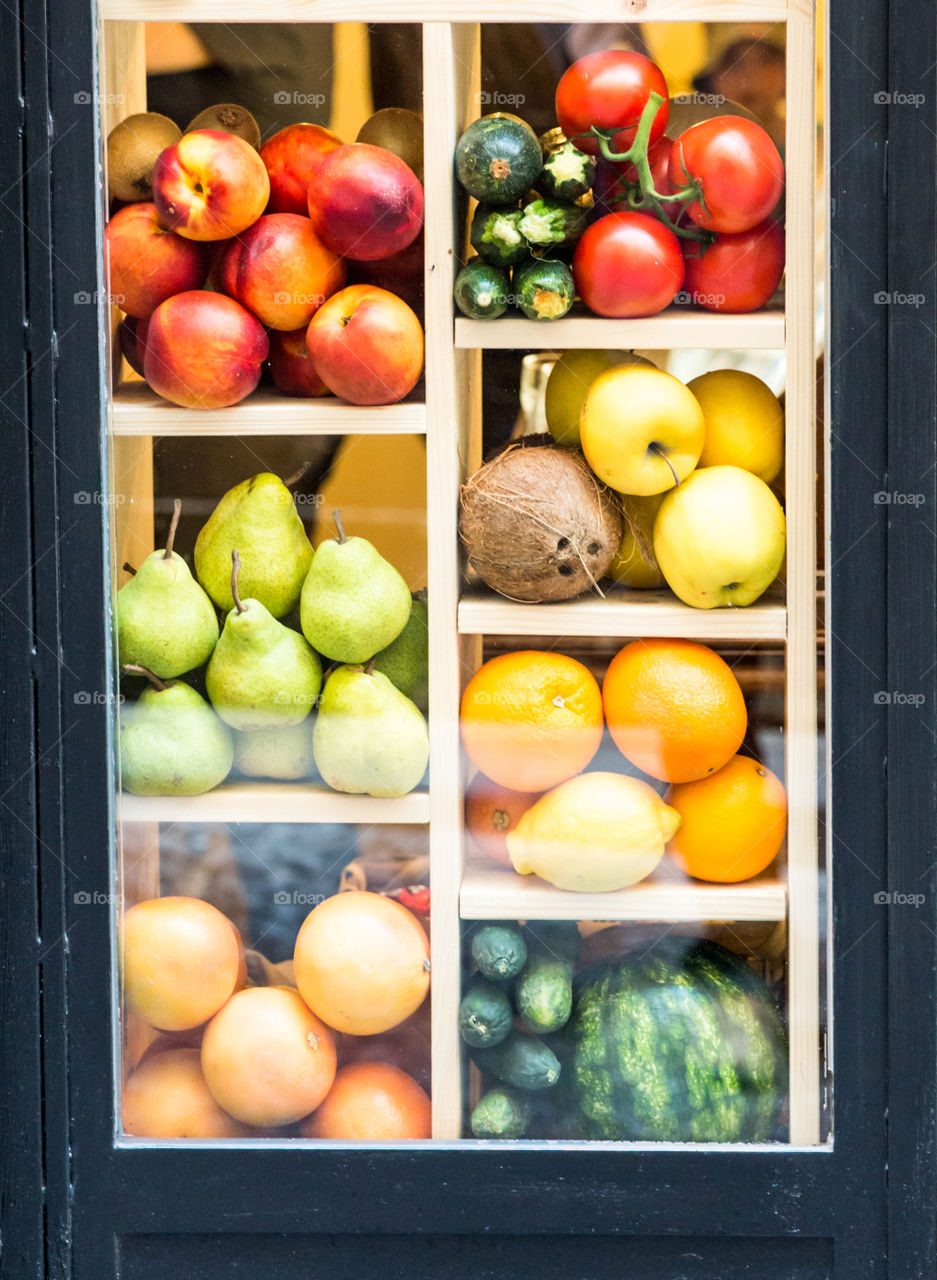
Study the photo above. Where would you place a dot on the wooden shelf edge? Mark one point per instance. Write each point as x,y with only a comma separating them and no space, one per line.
138,411
652,613
671,329
437,11
494,893
274,802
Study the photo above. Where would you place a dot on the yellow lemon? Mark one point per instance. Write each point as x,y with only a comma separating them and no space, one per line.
634,562
744,422
593,834
569,380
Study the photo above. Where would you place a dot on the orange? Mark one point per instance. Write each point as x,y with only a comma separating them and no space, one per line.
372,1102
530,720
267,1059
180,960
362,962
733,822
491,811
674,708
167,1097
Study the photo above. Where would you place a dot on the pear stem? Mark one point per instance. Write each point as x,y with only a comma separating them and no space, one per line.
369,669
128,568
655,448
176,512
342,536
235,568
145,671
297,475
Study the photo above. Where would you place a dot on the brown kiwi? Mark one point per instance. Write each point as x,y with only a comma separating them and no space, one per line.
229,118
132,148
398,130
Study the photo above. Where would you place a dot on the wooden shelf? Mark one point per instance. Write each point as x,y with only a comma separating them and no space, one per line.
273,802
610,11
491,892
621,613
671,329
138,411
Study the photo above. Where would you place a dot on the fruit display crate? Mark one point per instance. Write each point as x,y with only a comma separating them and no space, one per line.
449,416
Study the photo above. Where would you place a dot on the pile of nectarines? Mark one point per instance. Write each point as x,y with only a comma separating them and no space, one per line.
241,258
212,1053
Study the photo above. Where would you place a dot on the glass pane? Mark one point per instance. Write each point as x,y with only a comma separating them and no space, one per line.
477,570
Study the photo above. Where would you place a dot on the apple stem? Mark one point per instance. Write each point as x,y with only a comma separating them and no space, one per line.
176,512
297,475
656,449
337,517
136,670
128,568
235,567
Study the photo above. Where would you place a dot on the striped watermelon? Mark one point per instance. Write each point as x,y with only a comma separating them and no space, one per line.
683,1043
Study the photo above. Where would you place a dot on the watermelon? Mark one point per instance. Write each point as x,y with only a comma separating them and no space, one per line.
681,1043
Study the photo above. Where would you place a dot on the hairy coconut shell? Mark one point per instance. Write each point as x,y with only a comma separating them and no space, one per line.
537,525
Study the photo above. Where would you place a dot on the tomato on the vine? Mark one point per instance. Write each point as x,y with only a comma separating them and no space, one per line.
628,264
658,158
609,89
737,272
738,167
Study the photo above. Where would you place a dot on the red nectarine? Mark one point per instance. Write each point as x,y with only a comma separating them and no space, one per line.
203,350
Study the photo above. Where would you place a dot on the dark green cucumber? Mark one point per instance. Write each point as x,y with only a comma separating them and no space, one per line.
502,1113
481,290
544,288
544,994
495,235
497,159
500,951
568,173
520,1060
546,224
485,1014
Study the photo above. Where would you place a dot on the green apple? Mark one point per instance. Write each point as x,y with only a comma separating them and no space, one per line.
569,381
642,430
634,563
719,538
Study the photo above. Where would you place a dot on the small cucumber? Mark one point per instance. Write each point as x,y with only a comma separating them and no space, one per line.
481,291
500,951
520,1060
502,1113
485,1015
544,994
557,938
544,288
567,173
495,236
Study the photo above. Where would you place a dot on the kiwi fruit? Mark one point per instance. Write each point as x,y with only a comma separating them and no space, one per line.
229,118
398,130
132,148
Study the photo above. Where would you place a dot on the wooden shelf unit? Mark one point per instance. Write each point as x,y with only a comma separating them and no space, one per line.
450,419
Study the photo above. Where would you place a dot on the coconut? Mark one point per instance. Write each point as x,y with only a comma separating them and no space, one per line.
536,523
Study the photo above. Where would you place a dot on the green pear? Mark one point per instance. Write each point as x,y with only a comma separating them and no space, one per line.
369,738
353,602
165,621
171,742
284,752
258,517
405,661
261,674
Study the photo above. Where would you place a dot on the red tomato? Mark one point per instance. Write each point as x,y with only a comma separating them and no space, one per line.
738,166
737,272
658,157
628,264
609,89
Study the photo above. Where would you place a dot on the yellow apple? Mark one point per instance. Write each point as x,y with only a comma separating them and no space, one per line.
634,563
744,422
641,430
569,380
719,538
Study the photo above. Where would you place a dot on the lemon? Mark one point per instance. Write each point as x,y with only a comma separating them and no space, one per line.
593,834
744,422
569,380
634,562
